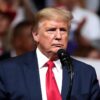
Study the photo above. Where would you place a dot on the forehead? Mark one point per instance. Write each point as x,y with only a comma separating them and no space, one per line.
25,31
53,23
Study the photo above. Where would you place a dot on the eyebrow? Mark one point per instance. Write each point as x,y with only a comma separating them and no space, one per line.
54,28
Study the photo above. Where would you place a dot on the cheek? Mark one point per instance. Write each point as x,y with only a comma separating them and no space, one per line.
65,41
65,36
45,42
45,39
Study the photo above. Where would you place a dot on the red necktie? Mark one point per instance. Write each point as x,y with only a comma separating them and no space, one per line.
51,85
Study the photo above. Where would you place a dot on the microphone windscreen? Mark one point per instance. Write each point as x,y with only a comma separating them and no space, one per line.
62,55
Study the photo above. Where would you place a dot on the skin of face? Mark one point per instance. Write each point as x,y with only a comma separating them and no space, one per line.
27,40
51,36
24,42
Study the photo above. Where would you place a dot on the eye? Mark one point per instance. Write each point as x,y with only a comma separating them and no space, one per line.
51,29
63,30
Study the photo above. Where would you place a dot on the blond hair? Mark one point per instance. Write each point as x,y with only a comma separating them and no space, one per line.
51,13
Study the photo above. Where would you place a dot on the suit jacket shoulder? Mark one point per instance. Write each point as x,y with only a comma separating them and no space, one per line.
19,78
85,82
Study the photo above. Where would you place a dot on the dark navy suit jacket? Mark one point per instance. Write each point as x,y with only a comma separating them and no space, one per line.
19,80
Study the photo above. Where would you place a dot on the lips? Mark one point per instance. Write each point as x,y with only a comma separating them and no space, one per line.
57,45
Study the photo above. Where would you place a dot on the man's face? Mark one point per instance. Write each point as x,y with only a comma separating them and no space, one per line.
24,41
51,36
27,40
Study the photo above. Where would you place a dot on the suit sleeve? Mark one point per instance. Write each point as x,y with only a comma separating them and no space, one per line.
95,88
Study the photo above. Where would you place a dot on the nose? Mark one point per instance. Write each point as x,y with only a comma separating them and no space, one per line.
58,34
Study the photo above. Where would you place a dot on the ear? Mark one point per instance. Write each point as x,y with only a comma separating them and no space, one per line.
35,36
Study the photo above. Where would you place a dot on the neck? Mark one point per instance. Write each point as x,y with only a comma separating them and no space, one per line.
50,55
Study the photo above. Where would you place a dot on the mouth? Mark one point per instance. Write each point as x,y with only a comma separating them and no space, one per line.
57,45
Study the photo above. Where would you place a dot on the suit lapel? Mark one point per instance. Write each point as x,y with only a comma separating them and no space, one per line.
31,74
32,79
65,84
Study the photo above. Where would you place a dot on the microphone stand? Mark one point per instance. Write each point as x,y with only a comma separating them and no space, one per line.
67,62
70,73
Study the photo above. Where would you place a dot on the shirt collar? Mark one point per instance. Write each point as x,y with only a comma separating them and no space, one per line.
58,64
42,59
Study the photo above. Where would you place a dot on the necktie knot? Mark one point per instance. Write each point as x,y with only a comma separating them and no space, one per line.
50,64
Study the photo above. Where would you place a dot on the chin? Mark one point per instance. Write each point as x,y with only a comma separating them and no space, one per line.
56,49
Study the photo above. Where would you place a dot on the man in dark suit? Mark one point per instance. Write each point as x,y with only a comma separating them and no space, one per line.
26,77
21,40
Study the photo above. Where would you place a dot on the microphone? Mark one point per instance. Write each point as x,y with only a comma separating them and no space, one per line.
67,62
65,59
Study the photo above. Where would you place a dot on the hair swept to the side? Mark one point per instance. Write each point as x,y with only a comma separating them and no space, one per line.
52,13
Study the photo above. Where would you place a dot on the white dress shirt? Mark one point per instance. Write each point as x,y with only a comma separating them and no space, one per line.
42,59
